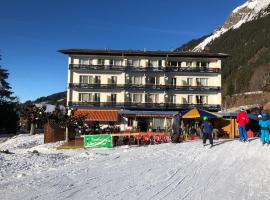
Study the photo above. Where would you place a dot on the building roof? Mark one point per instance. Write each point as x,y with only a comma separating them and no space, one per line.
234,114
98,115
109,52
148,113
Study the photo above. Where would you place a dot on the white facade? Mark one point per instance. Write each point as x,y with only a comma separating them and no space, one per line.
141,80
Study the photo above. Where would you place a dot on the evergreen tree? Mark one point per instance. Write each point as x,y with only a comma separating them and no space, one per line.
8,104
5,93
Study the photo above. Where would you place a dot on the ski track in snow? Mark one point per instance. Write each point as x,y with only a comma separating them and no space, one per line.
230,170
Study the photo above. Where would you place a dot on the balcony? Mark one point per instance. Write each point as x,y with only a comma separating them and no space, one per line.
96,86
134,69
147,87
192,70
143,106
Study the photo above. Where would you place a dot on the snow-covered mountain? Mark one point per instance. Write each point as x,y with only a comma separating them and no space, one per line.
249,11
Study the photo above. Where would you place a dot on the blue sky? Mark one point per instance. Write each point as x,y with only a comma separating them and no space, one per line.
32,31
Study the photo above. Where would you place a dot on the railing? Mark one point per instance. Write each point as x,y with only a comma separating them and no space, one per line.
144,69
144,106
143,87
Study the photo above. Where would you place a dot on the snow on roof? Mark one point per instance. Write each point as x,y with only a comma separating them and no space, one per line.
49,107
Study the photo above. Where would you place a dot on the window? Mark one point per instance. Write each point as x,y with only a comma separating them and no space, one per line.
111,62
85,97
201,99
86,61
174,63
96,97
137,98
190,99
172,99
202,81
158,123
130,121
152,98
97,80
114,80
84,79
91,79
160,63
100,61
153,63
189,81
128,97
152,80
136,63
113,98
188,64
173,81
116,62
137,80
204,64
129,62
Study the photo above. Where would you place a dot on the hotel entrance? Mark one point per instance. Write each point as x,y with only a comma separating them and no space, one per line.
144,124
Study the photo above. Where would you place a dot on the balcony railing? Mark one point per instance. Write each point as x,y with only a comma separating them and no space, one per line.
143,87
144,69
144,106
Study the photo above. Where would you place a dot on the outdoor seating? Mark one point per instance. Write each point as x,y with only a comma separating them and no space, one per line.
165,138
157,139
146,139
139,139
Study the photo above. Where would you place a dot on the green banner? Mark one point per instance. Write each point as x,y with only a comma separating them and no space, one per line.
93,141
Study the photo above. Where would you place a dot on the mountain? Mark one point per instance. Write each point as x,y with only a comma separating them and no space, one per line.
251,10
54,99
246,37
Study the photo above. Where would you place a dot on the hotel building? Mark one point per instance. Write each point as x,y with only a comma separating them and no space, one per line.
141,89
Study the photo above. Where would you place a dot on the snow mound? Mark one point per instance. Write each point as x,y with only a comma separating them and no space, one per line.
30,156
22,141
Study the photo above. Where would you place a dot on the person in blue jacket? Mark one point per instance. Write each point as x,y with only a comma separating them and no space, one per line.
264,123
207,129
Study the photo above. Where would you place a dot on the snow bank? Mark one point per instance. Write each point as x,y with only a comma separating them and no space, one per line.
23,141
229,170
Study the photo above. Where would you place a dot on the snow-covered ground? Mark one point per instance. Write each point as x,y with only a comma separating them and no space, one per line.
229,170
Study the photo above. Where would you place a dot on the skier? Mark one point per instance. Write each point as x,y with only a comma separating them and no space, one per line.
264,123
207,129
175,129
242,120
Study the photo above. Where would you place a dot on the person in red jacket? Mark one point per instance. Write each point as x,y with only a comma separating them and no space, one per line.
242,120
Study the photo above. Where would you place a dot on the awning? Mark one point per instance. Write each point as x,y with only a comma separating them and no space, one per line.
199,113
234,114
98,115
133,113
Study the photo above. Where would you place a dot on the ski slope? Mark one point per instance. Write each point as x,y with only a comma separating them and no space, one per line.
229,170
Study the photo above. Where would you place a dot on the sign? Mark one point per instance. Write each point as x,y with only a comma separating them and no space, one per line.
94,141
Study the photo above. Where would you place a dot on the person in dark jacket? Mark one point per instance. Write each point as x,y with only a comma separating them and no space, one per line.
207,129
176,129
